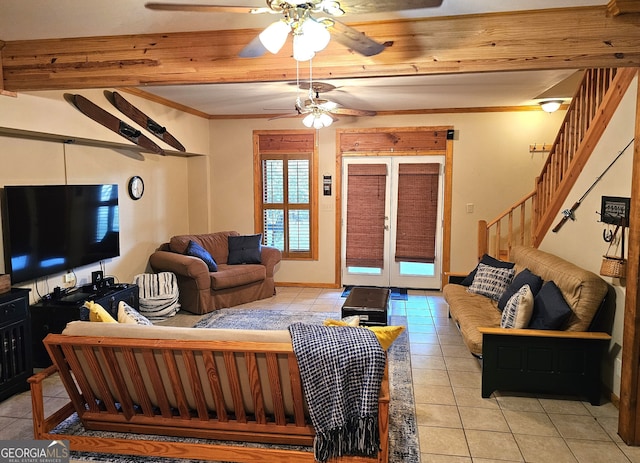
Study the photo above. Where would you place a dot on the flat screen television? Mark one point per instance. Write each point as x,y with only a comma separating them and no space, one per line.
50,229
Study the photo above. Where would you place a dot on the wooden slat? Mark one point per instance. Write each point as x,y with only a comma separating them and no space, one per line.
195,383
233,377
296,391
118,380
256,387
276,389
171,367
80,377
144,401
214,385
157,383
104,391
569,38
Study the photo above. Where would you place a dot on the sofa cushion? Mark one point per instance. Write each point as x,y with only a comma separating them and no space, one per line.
475,310
486,260
230,276
244,249
550,310
195,250
491,281
518,309
581,289
526,277
216,244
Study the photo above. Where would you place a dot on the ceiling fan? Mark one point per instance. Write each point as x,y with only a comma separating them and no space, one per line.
311,33
319,112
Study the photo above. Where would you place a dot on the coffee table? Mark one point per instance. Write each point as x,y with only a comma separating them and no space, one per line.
370,304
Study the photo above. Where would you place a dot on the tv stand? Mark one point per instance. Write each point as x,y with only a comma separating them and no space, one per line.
52,314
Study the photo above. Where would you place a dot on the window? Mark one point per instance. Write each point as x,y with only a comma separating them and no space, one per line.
285,195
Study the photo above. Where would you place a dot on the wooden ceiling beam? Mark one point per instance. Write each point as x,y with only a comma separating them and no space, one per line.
569,38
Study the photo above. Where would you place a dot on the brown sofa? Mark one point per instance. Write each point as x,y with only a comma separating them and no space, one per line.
196,383
202,291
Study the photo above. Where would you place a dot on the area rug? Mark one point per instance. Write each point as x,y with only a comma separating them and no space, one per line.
397,294
403,431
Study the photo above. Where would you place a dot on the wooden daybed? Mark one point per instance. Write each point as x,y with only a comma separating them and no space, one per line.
209,384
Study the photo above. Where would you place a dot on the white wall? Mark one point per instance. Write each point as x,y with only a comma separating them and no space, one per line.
176,188
492,168
581,241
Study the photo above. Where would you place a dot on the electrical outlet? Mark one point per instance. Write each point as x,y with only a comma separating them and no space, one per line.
68,278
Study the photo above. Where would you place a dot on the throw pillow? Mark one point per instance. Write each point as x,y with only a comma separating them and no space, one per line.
518,310
97,313
491,281
245,249
386,334
352,320
526,277
195,250
127,314
550,310
486,260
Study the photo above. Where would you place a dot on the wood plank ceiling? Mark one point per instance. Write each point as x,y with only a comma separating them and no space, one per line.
568,38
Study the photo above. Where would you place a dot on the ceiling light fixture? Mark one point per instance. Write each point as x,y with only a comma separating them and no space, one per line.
550,106
317,119
309,35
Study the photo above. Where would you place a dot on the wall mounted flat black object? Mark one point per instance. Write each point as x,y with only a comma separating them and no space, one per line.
143,120
114,124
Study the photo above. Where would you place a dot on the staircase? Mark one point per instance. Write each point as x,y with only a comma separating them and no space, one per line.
528,220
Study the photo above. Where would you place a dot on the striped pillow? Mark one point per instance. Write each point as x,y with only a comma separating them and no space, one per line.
517,312
491,282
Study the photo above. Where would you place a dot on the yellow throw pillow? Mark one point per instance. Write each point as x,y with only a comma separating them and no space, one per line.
97,313
352,320
386,334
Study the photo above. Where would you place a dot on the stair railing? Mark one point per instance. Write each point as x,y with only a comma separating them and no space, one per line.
529,219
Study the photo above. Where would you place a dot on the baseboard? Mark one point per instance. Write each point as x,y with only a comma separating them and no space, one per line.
309,285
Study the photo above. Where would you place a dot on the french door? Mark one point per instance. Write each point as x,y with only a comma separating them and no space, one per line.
392,217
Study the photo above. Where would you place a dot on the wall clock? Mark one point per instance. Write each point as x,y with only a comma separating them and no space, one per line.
136,187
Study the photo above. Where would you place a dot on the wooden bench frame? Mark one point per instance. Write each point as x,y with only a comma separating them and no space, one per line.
116,411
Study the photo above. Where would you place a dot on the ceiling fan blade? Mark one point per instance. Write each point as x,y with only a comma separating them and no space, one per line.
285,116
353,112
205,8
253,49
354,39
364,6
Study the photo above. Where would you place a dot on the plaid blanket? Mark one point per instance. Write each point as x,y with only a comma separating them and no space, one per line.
341,369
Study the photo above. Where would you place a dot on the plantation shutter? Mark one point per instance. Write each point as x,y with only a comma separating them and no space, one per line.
417,212
366,191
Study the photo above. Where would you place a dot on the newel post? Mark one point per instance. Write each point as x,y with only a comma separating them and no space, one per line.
483,238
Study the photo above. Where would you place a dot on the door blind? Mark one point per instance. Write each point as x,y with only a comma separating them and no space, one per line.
366,196
417,214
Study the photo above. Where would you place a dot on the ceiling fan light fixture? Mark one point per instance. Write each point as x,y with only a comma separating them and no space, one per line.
325,119
550,106
274,36
308,120
301,49
317,120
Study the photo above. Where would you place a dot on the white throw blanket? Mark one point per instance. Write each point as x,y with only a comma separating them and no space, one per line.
341,370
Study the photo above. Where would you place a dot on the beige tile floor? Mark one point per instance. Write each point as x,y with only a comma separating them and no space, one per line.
456,425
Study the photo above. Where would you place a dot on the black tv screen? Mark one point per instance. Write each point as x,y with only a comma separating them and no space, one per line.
51,229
